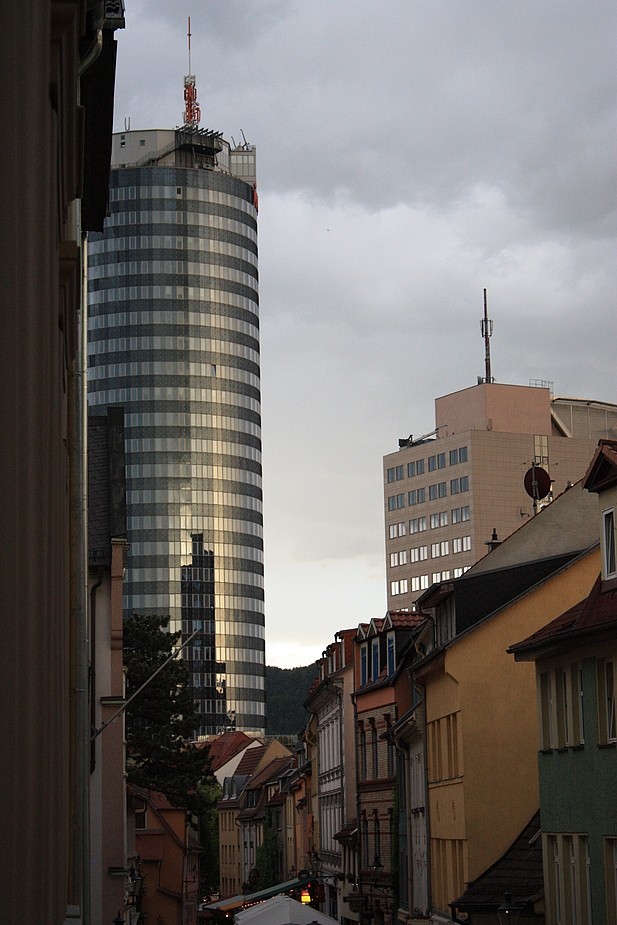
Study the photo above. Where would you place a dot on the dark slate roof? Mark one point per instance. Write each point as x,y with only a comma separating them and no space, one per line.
479,595
595,615
518,871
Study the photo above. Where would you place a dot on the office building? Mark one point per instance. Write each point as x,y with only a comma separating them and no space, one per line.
174,340
451,494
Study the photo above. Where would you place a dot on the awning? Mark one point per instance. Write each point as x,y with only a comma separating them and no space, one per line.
246,899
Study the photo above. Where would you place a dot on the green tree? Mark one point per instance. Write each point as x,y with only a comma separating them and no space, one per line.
210,792
161,720
265,856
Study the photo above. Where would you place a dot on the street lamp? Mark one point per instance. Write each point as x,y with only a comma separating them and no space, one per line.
509,912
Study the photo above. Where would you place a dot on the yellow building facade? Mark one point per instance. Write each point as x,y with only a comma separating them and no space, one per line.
482,732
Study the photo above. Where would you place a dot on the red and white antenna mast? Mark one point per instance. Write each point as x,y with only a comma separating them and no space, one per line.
192,111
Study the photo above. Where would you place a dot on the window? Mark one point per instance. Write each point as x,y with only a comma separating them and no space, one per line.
390,653
363,664
561,707
458,485
417,525
439,520
366,860
419,553
567,878
437,491
441,576
399,473
610,878
419,583
435,551
390,475
608,544
417,496
461,544
415,468
392,531
362,752
374,751
607,726
460,514
404,586
540,450
399,529
398,558
374,659
432,463
458,456
395,502
395,588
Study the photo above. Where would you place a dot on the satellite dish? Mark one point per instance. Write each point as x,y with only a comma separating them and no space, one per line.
537,483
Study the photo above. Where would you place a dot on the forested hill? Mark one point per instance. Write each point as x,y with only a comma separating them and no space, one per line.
286,691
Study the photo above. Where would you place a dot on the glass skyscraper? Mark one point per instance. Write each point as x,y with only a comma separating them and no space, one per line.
173,338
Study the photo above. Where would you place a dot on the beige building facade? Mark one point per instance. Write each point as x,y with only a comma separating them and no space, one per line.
448,494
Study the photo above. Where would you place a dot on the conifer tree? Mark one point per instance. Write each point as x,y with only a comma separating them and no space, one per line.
161,720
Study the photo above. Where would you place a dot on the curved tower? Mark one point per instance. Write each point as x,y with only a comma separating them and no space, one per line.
174,340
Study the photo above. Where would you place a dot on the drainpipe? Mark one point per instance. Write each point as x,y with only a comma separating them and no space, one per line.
93,591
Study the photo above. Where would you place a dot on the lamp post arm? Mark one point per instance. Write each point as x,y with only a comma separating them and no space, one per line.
176,652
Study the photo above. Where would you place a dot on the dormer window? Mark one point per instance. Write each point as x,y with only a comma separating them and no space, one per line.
390,654
375,659
608,544
363,665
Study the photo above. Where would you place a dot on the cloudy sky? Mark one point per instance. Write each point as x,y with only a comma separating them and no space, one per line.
410,154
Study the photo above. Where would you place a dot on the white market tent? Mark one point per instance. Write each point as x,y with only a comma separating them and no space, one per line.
282,910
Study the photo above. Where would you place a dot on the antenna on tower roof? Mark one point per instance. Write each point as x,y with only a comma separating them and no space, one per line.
192,110
486,326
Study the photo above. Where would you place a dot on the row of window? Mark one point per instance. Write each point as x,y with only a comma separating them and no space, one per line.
561,705
422,582
371,661
417,467
435,491
188,219
419,524
419,553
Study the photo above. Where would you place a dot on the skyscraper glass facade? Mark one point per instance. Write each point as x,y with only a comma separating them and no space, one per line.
174,339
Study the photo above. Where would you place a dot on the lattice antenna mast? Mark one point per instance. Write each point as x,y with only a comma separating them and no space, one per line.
192,110
486,326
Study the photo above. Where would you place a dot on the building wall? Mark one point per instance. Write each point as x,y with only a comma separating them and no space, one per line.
174,339
512,409
435,540
578,781
39,295
482,734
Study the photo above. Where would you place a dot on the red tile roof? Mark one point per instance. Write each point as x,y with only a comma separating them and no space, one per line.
225,747
271,770
597,612
250,759
602,471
